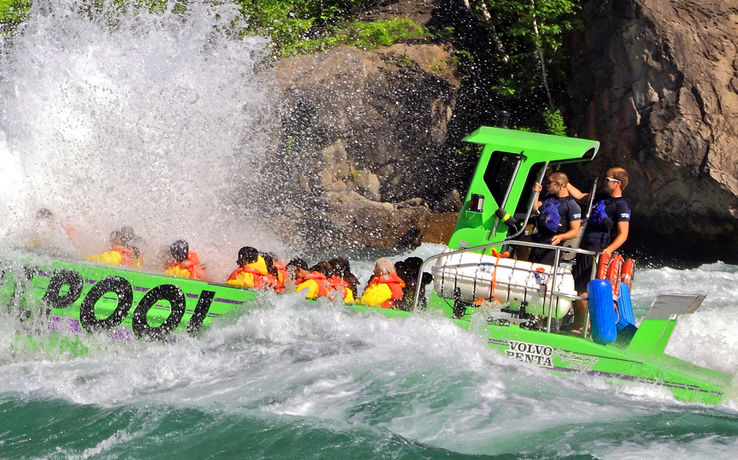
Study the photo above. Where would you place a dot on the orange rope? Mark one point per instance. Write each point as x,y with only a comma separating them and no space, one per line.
494,272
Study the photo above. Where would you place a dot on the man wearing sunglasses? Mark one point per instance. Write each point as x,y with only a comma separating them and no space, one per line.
559,217
607,229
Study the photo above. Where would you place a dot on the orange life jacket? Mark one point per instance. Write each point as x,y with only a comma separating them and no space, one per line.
282,269
260,280
338,285
127,256
276,282
394,283
321,282
192,265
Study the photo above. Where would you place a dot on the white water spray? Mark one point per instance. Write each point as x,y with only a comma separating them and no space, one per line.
151,119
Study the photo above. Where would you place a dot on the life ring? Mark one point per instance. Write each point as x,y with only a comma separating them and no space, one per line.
626,273
602,266
613,273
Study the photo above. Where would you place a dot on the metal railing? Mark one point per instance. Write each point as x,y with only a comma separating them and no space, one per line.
554,272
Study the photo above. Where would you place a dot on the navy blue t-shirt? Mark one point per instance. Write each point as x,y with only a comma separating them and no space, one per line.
568,210
599,234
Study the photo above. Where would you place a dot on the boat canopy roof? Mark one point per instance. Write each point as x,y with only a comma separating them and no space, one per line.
510,163
535,146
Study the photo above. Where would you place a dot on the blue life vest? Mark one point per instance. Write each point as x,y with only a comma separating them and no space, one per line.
549,214
598,216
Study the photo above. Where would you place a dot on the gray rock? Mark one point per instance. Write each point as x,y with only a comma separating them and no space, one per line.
655,86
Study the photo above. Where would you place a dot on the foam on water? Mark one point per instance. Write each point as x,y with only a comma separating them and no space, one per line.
421,378
159,120
706,337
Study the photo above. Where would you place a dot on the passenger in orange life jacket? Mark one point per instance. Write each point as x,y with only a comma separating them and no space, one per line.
385,287
342,283
120,251
315,284
342,269
183,263
296,272
252,270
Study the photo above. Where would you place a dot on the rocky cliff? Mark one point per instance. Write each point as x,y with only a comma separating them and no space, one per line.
371,136
657,83
364,133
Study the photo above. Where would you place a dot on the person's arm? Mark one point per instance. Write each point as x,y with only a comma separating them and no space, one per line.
572,233
623,228
576,193
537,188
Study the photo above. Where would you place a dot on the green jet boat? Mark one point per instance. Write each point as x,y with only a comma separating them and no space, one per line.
523,306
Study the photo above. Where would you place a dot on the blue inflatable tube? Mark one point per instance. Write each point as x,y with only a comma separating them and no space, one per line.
601,311
625,308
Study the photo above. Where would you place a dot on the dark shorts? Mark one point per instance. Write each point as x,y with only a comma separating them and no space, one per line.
542,256
582,270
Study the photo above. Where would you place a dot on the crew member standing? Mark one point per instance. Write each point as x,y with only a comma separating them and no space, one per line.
607,229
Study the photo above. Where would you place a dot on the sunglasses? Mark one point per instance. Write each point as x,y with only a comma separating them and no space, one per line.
612,179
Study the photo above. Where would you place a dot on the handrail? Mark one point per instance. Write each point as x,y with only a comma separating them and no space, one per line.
533,199
507,193
557,259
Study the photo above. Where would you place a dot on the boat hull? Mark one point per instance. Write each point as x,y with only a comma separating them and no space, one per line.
80,298
83,298
623,361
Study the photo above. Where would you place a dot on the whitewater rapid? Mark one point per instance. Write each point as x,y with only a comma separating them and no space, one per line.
421,378
158,120
124,116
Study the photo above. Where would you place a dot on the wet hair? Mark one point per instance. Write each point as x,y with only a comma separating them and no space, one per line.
323,267
44,213
247,255
408,271
414,263
269,261
384,267
126,234
620,174
297,263
114,236
401,270
179,250
341,267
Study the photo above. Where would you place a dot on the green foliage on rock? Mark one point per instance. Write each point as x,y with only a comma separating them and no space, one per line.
12,13
305,26
528,38
365,35
554,121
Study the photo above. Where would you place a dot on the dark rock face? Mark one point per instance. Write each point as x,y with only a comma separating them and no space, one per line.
370,135
363,131
656,84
